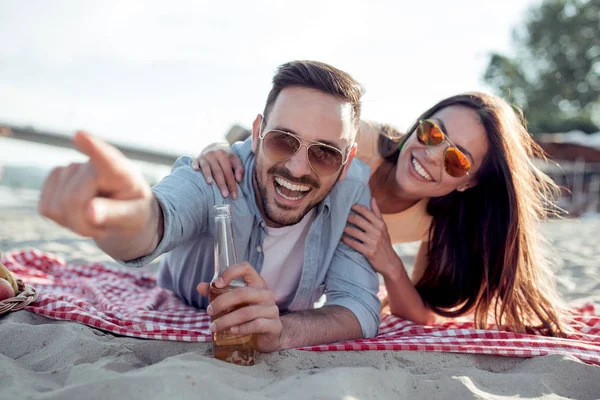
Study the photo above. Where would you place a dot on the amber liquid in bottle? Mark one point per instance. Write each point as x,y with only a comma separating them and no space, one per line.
227,346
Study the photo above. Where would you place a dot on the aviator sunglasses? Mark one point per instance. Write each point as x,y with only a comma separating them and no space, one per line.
324,160
456,163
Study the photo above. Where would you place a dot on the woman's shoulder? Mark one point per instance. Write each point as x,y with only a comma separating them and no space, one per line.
367,140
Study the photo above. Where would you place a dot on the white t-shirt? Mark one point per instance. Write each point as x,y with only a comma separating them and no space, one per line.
284,257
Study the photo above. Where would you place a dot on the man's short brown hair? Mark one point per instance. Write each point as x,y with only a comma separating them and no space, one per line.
319,76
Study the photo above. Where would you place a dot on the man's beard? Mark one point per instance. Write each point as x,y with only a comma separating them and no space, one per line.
277,213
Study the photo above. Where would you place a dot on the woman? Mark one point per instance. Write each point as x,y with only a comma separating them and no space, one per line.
463,182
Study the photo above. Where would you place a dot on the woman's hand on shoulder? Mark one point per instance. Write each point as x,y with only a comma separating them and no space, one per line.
218,163
367,233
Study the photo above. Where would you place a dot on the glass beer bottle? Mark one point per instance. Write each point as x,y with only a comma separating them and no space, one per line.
228,346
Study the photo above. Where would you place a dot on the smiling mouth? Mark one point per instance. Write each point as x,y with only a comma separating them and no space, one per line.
290,191
421,171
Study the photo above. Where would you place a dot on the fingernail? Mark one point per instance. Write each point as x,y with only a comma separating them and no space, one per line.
219,282
209,310
234,195
209,180
225,193
235,329
212,327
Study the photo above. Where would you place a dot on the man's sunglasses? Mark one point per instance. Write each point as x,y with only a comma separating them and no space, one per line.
456,163
324,160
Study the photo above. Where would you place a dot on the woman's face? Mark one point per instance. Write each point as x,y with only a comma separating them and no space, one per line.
420,171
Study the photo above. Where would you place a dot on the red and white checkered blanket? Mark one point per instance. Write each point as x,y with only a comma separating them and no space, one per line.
129,303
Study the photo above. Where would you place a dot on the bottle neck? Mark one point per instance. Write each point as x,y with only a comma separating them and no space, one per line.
225,251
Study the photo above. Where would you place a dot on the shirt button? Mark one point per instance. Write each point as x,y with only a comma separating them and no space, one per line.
259,249
262,223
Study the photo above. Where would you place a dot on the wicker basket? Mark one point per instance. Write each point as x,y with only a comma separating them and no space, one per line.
25,296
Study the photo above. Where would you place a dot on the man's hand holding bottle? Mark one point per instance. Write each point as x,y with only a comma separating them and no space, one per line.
258,314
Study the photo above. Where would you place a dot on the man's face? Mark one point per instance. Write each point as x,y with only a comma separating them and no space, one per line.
287,190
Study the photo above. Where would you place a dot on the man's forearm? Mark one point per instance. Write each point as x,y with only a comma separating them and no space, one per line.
320,326
138,239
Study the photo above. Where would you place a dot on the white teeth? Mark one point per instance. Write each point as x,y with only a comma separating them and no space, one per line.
420,170
288,197
291,186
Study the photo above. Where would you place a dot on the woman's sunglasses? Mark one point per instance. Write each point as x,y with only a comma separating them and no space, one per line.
456,163
324,160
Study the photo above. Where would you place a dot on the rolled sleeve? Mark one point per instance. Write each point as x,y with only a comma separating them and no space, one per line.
186,203
352,283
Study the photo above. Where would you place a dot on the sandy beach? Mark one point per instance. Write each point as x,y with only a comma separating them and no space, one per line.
46,359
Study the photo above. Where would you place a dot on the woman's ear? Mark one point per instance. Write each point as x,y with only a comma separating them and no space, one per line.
467,185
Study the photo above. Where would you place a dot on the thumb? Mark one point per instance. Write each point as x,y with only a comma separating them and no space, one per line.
375,208
202,288
109,213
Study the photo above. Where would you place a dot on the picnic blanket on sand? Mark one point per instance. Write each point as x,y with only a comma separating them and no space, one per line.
128,302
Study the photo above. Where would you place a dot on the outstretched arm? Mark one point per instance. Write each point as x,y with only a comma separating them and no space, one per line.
105,199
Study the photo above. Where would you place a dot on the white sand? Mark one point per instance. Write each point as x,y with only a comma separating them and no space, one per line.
46,359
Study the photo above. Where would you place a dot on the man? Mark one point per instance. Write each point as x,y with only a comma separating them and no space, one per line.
288,218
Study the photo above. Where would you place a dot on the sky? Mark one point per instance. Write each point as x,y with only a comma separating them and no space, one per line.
176,75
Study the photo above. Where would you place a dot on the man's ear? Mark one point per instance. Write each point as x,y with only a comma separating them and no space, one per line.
351,154
256,128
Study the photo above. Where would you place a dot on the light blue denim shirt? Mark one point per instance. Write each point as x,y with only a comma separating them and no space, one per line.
330,266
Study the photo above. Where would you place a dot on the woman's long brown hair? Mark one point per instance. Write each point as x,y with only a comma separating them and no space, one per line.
484,250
